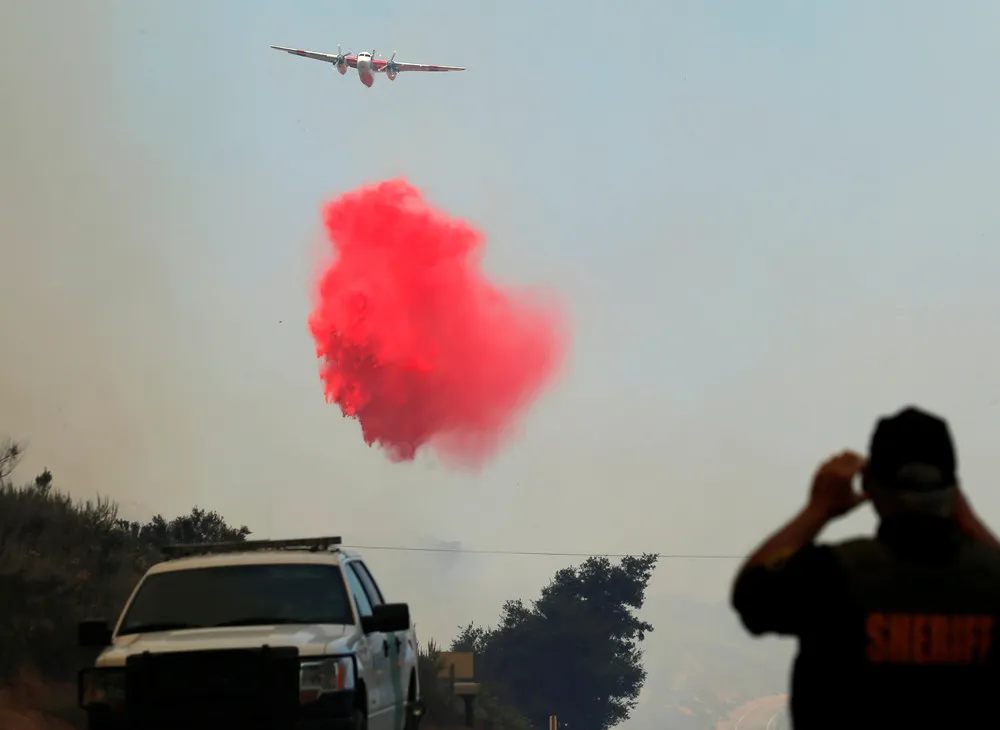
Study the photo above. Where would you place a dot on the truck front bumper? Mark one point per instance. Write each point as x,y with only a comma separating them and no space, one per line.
330,712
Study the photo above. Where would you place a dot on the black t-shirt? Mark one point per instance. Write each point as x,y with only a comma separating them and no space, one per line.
894,631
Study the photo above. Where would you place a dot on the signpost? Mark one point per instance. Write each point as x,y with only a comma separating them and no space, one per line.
459,668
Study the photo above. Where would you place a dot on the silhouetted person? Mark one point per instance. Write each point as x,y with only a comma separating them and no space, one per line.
895,630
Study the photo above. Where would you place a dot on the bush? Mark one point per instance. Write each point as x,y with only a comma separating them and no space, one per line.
62,561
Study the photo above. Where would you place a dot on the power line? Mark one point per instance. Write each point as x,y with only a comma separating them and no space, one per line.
540,553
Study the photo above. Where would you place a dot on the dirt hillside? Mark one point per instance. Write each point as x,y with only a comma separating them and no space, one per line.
33,705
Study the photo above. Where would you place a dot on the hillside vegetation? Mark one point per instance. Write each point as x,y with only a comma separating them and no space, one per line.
62,561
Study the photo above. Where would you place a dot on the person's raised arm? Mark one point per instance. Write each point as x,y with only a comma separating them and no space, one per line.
779,587
832,496
791,537
970,524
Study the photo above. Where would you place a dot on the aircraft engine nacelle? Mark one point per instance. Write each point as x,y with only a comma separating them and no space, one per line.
342,68
390,74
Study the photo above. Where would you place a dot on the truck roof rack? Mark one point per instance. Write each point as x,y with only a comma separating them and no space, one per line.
312,544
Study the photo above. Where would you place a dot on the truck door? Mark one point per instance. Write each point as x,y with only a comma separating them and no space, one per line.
402,655
375,658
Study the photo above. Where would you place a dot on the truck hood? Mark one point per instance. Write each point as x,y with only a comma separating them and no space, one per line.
310,639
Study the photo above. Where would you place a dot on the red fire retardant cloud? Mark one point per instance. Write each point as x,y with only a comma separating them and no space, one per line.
415,342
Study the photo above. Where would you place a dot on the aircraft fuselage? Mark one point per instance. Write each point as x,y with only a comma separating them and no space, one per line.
365,71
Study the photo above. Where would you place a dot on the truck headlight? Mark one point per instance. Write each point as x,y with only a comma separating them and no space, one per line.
100,686
317,678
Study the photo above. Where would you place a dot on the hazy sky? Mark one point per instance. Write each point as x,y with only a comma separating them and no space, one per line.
770,224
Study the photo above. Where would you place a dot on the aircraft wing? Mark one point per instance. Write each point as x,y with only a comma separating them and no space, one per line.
316,55
380,65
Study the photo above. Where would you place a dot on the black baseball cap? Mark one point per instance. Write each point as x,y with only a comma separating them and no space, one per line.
912,451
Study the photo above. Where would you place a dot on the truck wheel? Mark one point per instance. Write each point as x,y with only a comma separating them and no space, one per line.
412,721
360,719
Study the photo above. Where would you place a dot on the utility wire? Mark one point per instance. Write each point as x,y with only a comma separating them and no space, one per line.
545,553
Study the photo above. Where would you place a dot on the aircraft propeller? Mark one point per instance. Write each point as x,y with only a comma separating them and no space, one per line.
390,65
341,57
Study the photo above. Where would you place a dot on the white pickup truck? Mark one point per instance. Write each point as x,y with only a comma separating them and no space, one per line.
255,635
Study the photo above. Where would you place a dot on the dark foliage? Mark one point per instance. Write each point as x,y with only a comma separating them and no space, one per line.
574,651
62,561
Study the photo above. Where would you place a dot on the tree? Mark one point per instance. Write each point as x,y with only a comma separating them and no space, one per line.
10,456
199,526
574,651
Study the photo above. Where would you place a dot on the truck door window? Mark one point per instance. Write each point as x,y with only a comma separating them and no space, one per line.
358,591
374,594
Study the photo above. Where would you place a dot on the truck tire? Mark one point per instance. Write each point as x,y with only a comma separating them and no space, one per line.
360,719
410,722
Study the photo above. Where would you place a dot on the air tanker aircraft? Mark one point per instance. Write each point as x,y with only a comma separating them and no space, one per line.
366,63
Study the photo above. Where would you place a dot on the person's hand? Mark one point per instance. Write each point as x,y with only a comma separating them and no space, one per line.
833,490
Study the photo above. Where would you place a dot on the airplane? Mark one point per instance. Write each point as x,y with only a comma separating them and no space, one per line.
366,63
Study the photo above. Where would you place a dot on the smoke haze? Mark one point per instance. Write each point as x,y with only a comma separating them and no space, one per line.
96,341
771,226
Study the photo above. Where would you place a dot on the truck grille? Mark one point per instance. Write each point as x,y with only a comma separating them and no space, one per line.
215,690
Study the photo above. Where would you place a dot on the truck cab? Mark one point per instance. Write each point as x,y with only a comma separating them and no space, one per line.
275,635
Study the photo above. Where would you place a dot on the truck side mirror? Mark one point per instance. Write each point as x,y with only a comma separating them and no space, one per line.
93,634
387,618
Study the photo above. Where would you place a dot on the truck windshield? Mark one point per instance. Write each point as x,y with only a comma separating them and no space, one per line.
239,595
